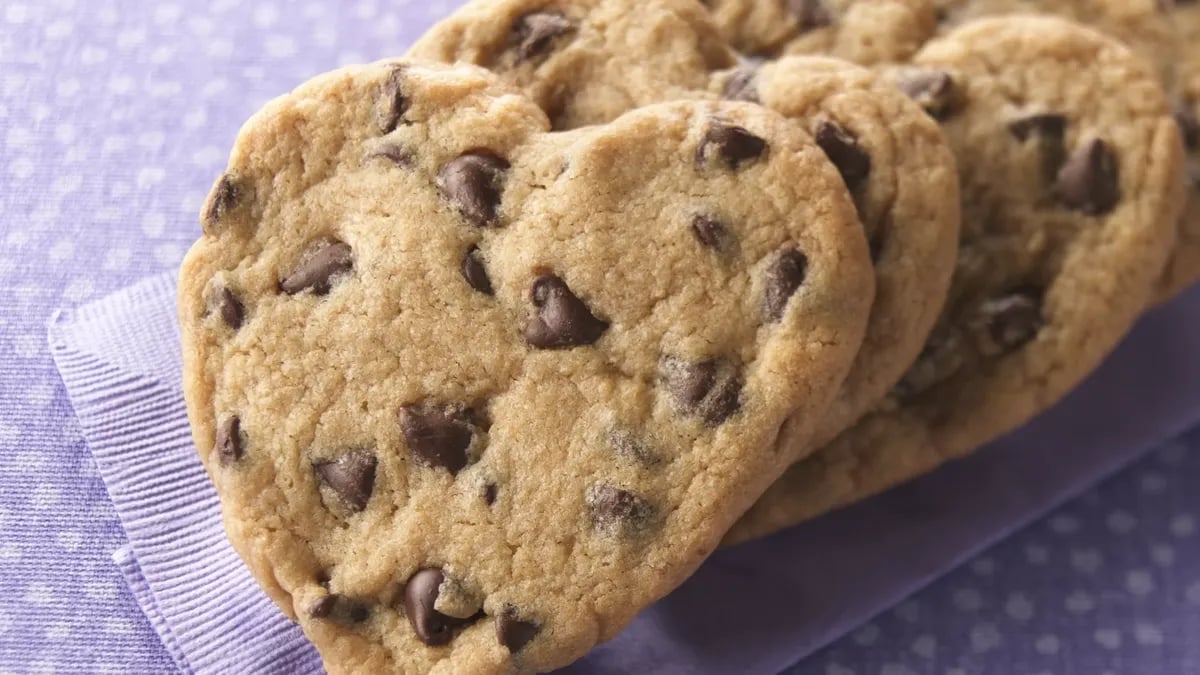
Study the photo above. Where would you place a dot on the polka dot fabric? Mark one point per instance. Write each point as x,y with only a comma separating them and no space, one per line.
116,115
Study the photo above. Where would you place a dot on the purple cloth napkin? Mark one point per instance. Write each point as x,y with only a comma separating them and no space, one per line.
757,608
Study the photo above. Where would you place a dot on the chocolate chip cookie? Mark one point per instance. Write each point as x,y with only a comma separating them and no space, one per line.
893,158
1070,168
472,392
1184,267
584,61
863,31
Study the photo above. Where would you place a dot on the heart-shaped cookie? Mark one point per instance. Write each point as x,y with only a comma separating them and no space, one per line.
473,393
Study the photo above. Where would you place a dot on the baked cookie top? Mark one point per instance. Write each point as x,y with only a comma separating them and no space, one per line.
894,160
584,61
474,393
1070,171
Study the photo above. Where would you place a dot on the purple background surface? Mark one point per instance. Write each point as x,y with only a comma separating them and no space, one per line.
115,116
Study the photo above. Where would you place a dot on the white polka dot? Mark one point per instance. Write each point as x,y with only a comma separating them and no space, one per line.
195,119
71,541
1152,483
150,176
1183,525
895,669
1147,634
9,553
58,30
44,214
151,140
16,13
1046,644
44,496
1080,602
66,184
44,667
867,635
38,593
1120,522
1064,524
909,610
1019,607
40,394
6,624
983,567
985,637
169,89
28,346
90,56
120,85
17,238
1108,638
1037,555
100,590
168,254
58,630
62,250
208,157
161,55
9,433
350,58
214,88
839,669
325,35
167,14
1086,560
118,626
153,224
925,646
108,214
1163,554
117,259
1193,593
1139,582
67,88
21,168
79,289
968,599
130,38
280,46
18,138
1172,454
113,145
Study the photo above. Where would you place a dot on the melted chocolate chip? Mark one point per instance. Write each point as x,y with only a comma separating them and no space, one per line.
710,232
225,304
784,278
472,182
809,14
710,390
351,477
560,319
223,199
1006,324
514,633
475,273
438,436
932,88
339,608
1088,181
321,265
536,32
843,150
1189,125
228,445
392,103
490,492
420,596
397,154
618,511
742,84
1038,125
629,446
733,145
941,357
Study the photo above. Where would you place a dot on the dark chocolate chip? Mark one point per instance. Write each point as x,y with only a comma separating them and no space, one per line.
1038,125
933,89
560,319
397,154
629,446
321,264
743,84
223,198
339,608
475,273
784,277
472,182
618,511
843,150
490,492
1088,181
1189,125
1008,323
536,32
228,445
225,304
392,103
322,608
710,390
350,476
710,232
420,597
734,145
438,435
809,14
514,633
941,357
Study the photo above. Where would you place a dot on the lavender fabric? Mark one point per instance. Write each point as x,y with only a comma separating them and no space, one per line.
115,117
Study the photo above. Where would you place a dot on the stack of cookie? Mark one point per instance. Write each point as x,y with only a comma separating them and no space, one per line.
488,347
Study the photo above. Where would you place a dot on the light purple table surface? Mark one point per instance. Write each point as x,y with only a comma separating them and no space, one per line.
115,116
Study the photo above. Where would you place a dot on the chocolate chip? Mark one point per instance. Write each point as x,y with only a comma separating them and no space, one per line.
350,476
535,33
490,492
933,89
629,446
733,144
420,596
618,511
321,264
397,154
560,319
1005,324
223,199
323,607
1189,125
339,608
710,232
809,14
228,445
392,103
439,436
1038,125
843,150
475,273
941,357
514,633
784,277
225,304
709,389
742,84
472,182
1088,181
